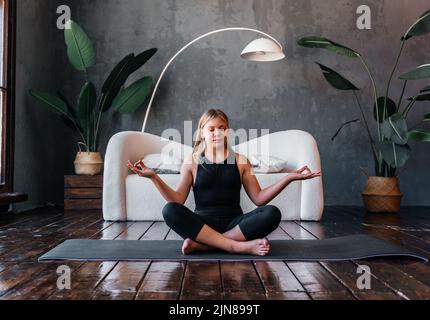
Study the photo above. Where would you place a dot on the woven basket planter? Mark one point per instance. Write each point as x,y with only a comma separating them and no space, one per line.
382,194
88,163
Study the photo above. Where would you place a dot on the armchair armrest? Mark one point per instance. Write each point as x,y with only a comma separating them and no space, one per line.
298,148
123,146
312,198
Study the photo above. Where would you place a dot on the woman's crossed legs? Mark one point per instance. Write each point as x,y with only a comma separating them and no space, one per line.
243,234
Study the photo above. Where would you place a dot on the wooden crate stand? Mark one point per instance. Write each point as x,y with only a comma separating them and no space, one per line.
83,192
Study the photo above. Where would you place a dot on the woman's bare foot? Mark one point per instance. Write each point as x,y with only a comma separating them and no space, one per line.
190,245
258,247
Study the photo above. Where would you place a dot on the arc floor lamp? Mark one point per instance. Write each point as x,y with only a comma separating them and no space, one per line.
262,49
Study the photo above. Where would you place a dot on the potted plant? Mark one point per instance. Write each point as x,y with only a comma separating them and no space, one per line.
84,116
390,145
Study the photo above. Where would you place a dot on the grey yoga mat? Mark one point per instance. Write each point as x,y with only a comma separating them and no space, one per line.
331,249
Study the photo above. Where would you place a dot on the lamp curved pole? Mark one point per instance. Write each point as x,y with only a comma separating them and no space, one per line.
186,46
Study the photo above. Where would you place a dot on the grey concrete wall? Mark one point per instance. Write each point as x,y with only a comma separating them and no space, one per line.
43,146
288,94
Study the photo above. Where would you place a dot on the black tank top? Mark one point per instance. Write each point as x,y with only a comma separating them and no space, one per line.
217,186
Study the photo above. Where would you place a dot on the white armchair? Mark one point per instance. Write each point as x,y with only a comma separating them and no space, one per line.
128,197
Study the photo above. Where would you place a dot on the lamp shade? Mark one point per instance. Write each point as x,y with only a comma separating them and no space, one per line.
262,49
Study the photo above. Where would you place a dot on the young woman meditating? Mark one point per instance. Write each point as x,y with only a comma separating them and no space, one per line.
216,174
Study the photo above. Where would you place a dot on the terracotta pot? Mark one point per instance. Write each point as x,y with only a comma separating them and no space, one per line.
382,194
88,163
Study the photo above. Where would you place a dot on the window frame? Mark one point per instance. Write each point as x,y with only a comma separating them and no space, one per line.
8,110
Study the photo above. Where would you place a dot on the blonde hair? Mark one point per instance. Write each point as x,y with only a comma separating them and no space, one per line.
200,145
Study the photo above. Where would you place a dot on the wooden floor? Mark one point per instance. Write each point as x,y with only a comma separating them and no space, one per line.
24,237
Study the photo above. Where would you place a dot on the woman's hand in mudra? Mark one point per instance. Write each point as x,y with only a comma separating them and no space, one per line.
140,169
304,173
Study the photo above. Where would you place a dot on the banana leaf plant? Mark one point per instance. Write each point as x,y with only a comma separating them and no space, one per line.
390,145
85,115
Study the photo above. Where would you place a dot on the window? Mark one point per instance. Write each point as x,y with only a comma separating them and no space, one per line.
7,78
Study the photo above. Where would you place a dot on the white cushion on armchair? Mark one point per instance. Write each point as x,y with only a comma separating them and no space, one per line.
128,197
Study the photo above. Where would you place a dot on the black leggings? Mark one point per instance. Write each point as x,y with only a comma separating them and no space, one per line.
255,224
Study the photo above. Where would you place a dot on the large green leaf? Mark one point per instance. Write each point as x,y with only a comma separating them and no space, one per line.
420,72
394,154
71,111
80,49
423,95
68,123
132,97
115,75
319,42
71,114
419,135
391,108
115,81
86,104
59,105
395,129
121,72
426,88
336,80
54,103
419,27
140,60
